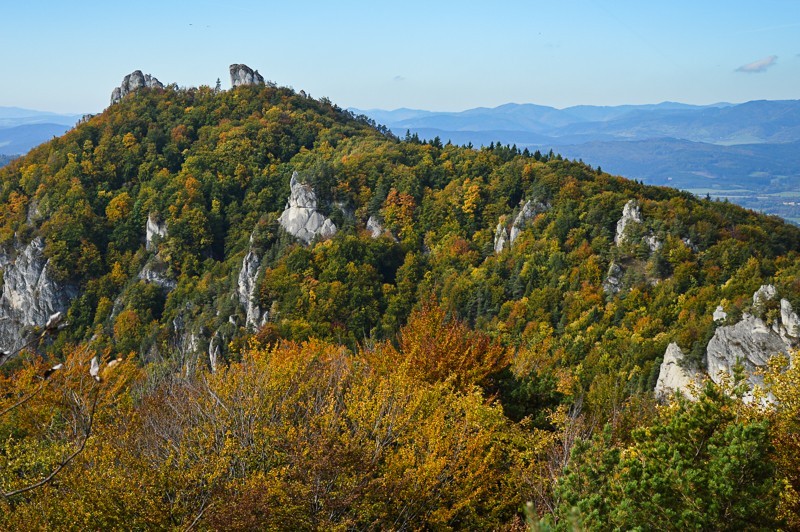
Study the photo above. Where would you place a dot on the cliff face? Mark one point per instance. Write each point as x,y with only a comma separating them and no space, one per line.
631,214
246,288
154,233
300,218
673,377
30,294
751,342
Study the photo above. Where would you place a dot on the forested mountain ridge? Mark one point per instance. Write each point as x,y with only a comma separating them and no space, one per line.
743,152
160,226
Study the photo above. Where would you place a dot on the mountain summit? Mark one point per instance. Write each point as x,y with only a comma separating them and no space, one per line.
288,317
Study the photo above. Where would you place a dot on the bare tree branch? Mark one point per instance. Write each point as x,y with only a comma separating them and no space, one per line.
66,461
23,400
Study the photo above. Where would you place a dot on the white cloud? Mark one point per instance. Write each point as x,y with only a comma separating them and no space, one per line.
758,66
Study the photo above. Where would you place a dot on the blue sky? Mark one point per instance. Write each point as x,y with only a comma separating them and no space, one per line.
67,56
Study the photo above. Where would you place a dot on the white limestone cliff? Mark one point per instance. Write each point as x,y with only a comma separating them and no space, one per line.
301,218
155,232
30,295
246,289
631,214
673,377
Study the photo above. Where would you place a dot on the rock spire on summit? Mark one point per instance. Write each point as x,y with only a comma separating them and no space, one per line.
244,75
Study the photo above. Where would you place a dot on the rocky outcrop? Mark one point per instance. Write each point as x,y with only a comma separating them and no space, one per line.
155,272
300,218
375,227
132,83
244,75
155,269
188,351
613,282
790,320
155,232
500,236
528,213
765,293
673,377
33,215
246,288
750,342
30,294
215,351
503,237
631,214
653,243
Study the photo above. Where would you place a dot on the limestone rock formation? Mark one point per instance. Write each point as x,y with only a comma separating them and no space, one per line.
653,243
750,342
789,319
155,272
765,293
154,232
631,213
505,237
33,215
30,295
500,236
246,288
188,341
133,82
244,75
375,227
672,377
301,218
528,213
215,351
613,282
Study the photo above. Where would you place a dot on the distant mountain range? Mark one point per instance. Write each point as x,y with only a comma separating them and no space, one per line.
22,129
745,152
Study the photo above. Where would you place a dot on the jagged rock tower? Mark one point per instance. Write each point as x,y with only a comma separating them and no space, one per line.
133,82
244,75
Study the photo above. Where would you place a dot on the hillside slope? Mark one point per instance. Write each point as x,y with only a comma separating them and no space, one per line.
213,169
467,315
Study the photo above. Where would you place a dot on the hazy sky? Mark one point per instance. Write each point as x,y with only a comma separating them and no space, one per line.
68,56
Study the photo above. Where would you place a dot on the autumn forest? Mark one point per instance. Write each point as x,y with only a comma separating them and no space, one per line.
475,347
